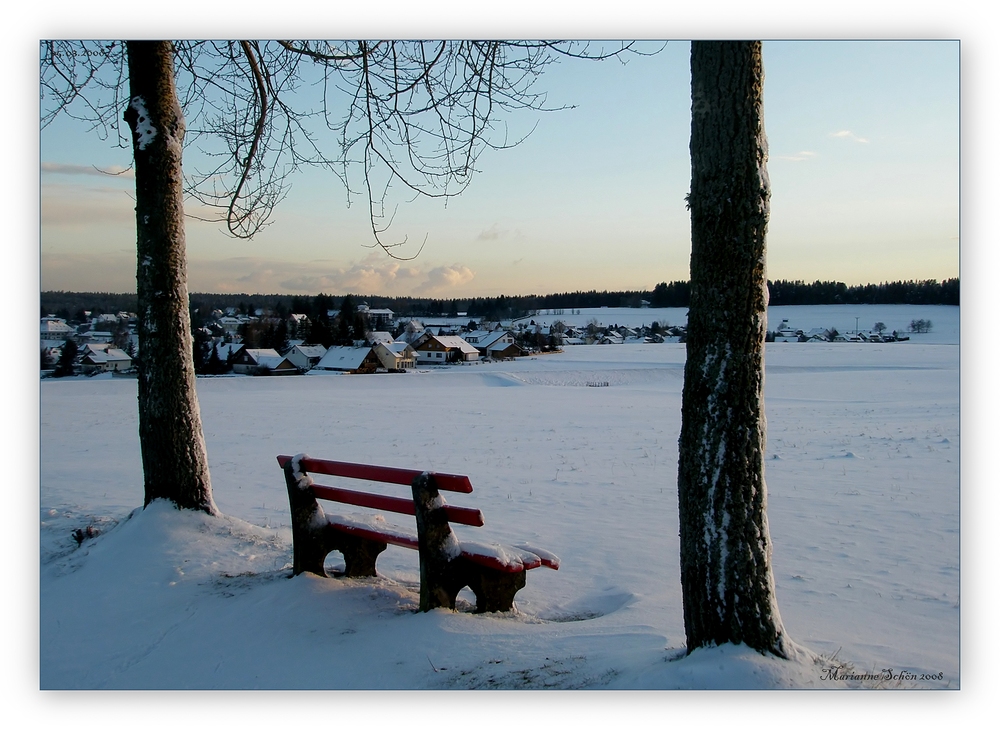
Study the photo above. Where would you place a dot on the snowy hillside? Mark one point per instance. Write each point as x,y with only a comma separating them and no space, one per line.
863,476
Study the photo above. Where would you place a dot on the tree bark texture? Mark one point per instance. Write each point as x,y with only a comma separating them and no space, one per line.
174,458
727,584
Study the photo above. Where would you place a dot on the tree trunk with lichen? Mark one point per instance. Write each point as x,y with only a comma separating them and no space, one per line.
174,458
727,584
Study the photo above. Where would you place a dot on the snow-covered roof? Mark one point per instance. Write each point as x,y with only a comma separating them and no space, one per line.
271,362
397,347
475,335
110,355
50,326
455,342
343,358
224,348
485,339
384,337
310,350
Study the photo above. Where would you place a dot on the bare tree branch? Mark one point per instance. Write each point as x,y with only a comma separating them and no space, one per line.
412,115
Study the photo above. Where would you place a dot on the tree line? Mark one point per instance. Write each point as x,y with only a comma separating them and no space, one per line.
784,293
72,305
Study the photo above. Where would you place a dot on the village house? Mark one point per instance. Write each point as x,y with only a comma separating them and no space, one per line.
357,360
498,344
305,357
786,333
104,359
412,332
55,328
440,349
373,338
377,318
257,361
818,334
395,355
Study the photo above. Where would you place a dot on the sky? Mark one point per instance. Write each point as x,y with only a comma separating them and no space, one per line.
864,167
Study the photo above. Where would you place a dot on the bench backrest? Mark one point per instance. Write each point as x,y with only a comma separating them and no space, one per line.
388,475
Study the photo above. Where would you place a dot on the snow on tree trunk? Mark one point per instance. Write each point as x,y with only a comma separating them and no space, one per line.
727,584
174,458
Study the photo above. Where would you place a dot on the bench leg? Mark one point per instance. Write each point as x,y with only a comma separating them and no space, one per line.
440,582
494,589
313,538
309,538
359,555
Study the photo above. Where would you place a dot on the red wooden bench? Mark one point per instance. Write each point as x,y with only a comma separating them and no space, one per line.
493,572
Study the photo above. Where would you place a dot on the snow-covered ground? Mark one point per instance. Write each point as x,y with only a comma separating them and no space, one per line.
863,477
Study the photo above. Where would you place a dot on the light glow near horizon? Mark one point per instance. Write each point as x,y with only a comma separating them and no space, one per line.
864,168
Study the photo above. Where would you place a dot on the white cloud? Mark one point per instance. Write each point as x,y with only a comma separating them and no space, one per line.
443,278
59,168
375,274
847,134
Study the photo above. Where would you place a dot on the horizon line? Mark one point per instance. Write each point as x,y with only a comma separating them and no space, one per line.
495,296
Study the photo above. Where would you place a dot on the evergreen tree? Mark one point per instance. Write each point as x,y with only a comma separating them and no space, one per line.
214,366
321,333
201,350
67,359
347,321
280,339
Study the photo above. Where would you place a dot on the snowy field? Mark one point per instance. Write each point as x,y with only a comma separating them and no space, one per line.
863,477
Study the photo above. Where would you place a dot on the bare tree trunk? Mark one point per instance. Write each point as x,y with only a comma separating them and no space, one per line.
174,458
728,588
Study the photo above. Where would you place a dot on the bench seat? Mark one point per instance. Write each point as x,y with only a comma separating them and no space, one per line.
507,558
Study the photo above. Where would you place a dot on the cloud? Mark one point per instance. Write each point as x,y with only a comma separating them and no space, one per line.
847,134
77,205
493,233
374,274
363,277
59,168
444,278
798,156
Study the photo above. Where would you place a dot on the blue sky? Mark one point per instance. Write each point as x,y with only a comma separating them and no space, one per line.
864,165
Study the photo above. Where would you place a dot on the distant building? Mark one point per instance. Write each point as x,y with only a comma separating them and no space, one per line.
103,360
55,328
498,344
441,349
377,318
254,361
305,357
359,360
395,355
